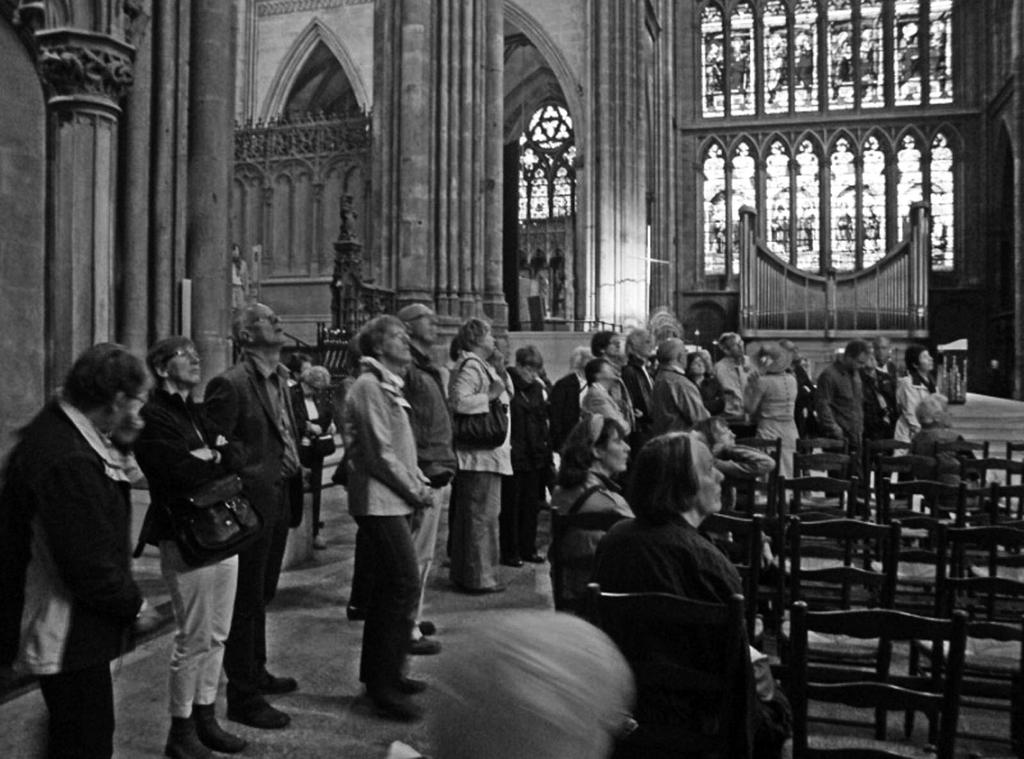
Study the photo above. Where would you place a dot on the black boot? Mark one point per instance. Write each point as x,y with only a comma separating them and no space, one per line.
210,732
182,741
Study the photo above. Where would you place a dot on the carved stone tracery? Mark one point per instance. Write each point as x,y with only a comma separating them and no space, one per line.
71,66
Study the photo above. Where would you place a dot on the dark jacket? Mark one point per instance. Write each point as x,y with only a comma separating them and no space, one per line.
173,428
880,410
803,410
712,394
839,402
564,410
64,553
324,410
639,384
531,442
237,406
431,422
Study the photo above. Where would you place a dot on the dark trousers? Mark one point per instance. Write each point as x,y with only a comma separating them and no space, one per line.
393,596
81,706
521,497
259,568
362,582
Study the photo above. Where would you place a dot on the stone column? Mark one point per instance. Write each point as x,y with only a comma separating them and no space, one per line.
617,160
1017,42
86,74
133,314
210,157
493,185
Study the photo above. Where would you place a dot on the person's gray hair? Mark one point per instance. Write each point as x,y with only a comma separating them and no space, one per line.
317,377
933,411
578,358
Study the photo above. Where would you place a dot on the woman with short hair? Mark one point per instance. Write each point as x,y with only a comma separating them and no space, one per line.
917,385
474,383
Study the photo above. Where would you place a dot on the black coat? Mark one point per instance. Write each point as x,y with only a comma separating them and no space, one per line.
531,442
173,428
564,409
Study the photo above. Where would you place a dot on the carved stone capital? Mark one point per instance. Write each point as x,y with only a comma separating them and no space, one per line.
79,66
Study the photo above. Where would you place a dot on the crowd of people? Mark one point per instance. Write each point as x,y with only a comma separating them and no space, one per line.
634,438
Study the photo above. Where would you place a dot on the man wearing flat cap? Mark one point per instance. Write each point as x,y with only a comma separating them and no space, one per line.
432,429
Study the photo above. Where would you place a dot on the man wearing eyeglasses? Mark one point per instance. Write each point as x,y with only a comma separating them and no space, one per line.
249,405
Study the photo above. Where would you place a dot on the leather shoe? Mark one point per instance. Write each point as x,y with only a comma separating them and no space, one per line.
424,647
258,713
355,613
512,562
410,686
395,706
427,627
536,559
275,686
484,591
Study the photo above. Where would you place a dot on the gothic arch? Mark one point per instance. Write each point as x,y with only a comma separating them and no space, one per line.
550,52
314,33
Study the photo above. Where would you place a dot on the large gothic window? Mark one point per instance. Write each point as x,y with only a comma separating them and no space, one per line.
832,192
547,178
822,207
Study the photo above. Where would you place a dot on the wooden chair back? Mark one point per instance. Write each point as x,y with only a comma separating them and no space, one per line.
758,496
742,540
823,444
818,497
561,524
666,640
877,691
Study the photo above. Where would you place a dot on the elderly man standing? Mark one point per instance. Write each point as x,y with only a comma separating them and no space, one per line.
249,405
67,598
732,371
840,398
432,428
676,404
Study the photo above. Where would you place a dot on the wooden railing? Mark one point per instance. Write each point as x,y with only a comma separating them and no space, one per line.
889,297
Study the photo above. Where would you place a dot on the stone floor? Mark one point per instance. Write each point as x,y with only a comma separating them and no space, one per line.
311,640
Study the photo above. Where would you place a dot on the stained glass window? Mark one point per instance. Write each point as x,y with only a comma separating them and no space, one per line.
840,54
872,94
940,51
777,181
808,211
776,57
941,171
714,210
873,203
907,57
547,177
805,24
741,59
909,183
712,46
843,204
743,188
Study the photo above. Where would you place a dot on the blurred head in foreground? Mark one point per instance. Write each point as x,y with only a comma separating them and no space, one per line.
532,683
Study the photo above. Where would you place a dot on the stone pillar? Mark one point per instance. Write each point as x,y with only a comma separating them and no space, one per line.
133,313
210,157
438,103
617,160
86,74
1017,42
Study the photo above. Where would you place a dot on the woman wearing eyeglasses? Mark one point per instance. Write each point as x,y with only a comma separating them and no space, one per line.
178,454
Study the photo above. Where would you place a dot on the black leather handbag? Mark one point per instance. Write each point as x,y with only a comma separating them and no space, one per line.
319,447
487,430
214,521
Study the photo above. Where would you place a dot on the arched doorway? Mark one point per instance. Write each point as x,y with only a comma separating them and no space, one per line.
22,236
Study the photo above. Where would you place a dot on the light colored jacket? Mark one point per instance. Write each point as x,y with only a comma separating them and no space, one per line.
468,393
597,400
908,397
384,479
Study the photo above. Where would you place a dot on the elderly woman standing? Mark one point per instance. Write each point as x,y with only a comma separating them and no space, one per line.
474,383
385,487
177,454
770,400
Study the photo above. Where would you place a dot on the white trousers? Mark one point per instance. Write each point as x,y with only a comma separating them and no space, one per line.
424,538
203,599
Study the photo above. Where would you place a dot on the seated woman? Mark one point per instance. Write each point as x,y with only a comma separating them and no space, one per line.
736,462
676,485
595,452
933,416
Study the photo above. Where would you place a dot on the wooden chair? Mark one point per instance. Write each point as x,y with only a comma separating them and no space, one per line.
976,448
818,497
560,525
685,652
1014,446
977,582
879,690
834,464
992,470
830,560
742,541
911,498
823,444
758,496
1006,503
